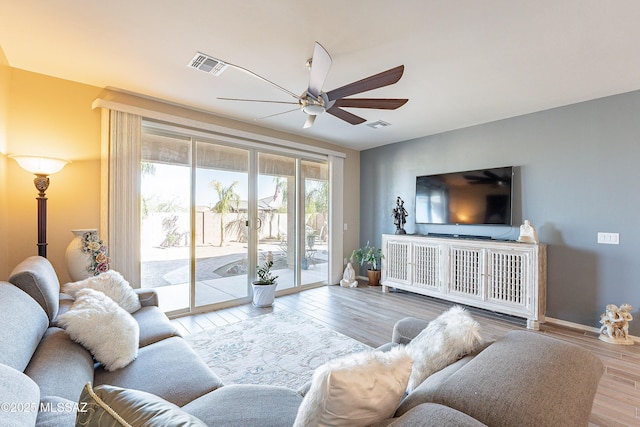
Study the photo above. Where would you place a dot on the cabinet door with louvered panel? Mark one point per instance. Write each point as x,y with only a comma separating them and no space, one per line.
508,277
466,268
426,266
397,255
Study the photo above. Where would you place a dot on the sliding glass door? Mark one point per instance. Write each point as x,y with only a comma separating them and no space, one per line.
276,233
221,233
213,211
315,255
165,220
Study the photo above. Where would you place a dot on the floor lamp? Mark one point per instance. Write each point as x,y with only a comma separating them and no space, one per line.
41,167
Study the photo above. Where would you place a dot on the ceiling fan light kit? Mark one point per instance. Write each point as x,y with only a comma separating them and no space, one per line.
311,106
313,109
313,102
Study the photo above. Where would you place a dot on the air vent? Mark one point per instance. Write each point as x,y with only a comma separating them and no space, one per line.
379,124
207,64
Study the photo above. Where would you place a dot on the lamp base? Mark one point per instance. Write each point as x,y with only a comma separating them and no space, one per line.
42,226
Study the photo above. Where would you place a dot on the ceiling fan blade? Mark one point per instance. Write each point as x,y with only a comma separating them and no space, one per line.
237,67
277,114
378,103
259,100
385,78
309,122
345,115
320,64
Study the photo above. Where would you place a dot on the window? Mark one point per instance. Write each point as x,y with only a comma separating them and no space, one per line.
128,169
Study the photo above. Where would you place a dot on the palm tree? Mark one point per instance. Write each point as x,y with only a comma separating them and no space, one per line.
146,168
317,197
281,192
317,201
227,200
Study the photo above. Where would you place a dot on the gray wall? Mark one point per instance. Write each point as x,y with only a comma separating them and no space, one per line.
578,174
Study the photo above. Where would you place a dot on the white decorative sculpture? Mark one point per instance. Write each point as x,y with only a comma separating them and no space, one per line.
349,277
615,324
528,233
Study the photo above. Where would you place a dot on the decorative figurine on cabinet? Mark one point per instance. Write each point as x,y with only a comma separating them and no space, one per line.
528,233
400,216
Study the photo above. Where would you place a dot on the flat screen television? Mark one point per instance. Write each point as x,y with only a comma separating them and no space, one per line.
470,197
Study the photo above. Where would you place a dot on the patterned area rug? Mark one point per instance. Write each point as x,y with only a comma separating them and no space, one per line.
276,349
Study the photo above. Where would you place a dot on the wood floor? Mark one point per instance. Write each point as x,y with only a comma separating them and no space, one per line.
368,315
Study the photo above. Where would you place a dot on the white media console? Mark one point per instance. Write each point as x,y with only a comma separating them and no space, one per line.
502,276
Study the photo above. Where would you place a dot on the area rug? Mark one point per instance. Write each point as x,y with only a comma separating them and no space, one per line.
276,349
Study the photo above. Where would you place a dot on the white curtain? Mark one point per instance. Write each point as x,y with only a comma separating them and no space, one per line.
123,209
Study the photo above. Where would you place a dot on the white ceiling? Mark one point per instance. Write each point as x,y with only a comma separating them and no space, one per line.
466,61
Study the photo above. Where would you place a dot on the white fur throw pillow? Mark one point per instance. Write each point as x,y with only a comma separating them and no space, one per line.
102,327
112,284
356,390
446,339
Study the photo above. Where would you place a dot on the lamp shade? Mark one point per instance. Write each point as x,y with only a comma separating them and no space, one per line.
40,165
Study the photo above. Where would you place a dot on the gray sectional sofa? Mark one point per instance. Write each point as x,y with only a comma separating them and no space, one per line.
36,351
523,379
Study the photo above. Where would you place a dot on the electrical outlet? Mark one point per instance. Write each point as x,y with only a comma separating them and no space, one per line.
608,238
345,261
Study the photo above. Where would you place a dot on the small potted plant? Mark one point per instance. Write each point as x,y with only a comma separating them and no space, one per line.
264,289
372,257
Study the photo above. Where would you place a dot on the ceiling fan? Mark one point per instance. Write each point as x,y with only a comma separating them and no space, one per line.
314,101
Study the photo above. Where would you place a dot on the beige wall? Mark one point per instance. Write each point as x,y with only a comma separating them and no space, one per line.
53,117
5,79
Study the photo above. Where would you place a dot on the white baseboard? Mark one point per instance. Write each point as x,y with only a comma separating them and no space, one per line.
580,327
572,325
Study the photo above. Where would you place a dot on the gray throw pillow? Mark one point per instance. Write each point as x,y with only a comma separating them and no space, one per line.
110,405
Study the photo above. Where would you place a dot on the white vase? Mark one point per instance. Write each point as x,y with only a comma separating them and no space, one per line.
264,295
78,261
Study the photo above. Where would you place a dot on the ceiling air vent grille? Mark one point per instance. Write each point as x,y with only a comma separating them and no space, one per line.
379,124
208,64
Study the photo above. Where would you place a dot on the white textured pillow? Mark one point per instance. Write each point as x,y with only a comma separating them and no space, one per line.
112,284
446,339
102,327
356,390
